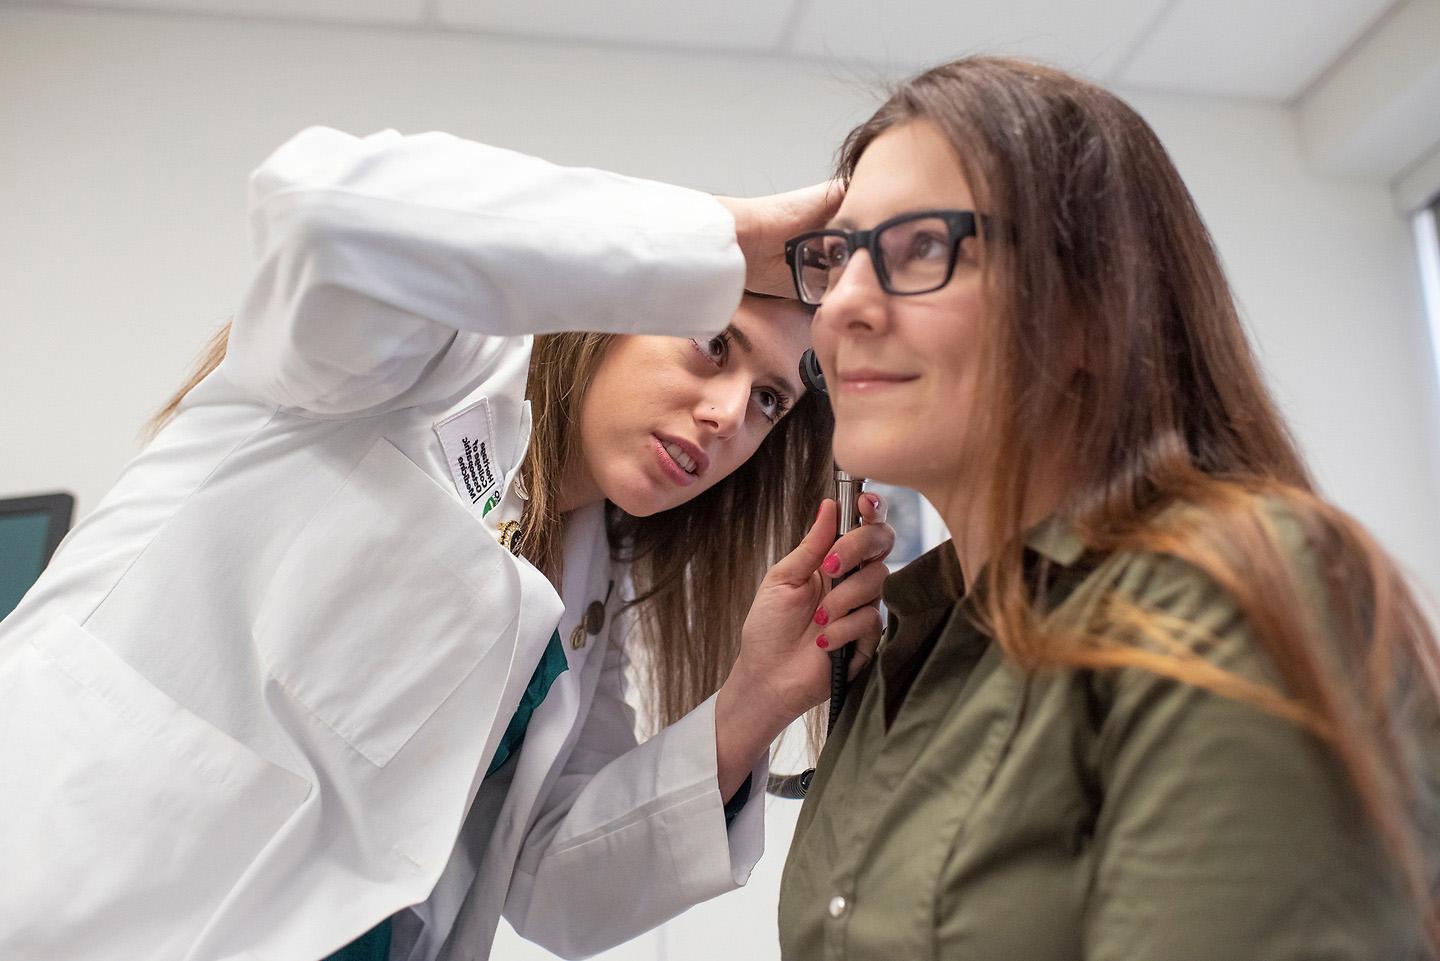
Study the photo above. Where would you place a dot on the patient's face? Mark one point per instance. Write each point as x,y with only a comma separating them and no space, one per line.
901,371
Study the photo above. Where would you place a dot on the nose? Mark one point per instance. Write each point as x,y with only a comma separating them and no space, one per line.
723,405
855,303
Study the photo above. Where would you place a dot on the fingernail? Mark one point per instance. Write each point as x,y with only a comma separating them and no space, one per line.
821,617
832,564
875,501
820,511
821,642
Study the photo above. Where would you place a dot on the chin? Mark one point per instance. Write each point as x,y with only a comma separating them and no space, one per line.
869,457
638,498
641,509
877,451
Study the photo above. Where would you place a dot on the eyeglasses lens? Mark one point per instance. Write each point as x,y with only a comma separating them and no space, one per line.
916,254
821,260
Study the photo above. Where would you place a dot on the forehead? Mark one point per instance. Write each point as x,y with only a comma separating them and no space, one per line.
778,333
908,167
777,327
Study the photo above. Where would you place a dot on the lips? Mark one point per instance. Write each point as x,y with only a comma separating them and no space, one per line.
679,459
869,379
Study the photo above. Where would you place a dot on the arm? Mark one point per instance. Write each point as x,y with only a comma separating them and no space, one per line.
653,817
648,817
374,251
1226,832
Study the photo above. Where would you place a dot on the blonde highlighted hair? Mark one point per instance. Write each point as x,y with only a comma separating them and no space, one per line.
1099,243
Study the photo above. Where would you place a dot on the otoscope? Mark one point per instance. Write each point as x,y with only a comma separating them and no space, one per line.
846,490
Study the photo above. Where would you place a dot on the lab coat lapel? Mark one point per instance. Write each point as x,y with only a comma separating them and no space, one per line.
554,724
552,731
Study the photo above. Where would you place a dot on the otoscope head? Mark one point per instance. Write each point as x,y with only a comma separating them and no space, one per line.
810,374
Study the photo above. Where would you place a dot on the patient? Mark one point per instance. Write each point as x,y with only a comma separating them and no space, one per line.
1157,699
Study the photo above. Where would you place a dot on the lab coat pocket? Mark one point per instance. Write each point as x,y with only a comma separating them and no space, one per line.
126,819
379,609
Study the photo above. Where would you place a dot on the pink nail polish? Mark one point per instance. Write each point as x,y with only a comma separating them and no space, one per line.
832,564
821,642
874,501
821,617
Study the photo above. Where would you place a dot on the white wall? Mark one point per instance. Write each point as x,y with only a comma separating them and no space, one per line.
127,139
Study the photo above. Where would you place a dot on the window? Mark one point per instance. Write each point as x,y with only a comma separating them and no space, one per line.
1427,239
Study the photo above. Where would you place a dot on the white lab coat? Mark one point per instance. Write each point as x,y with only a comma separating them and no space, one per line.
246,710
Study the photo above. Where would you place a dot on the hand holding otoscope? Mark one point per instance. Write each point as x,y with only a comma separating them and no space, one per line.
846,491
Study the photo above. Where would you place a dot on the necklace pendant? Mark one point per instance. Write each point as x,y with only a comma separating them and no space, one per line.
593,622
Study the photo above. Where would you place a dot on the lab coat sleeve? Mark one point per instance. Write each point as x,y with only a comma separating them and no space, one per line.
632,834
373,252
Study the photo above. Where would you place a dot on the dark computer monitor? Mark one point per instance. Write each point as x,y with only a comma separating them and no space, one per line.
30,530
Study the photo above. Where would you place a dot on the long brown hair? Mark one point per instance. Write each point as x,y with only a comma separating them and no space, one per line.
696,567
1097,241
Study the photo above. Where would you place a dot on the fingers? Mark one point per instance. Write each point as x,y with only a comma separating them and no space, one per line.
799,565
763,224
849,613
872,541
862,589
865,544
808,208
860,628
873,508
859,660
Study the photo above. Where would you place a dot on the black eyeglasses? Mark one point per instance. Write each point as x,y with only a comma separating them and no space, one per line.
913,253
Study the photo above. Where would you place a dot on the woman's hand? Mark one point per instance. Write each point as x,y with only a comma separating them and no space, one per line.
783,670
763,224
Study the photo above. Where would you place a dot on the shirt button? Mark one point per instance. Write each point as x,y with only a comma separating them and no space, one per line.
838,906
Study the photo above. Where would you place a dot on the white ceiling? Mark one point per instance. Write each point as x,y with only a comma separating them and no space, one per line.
1271,49
1263,49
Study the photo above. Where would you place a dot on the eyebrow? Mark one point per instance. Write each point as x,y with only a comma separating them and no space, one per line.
739,337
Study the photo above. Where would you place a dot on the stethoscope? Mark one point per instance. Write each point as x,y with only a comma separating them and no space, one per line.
846,489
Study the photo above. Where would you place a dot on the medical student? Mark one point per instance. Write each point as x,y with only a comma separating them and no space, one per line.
296,679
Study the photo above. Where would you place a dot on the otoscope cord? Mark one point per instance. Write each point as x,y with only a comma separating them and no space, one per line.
839,684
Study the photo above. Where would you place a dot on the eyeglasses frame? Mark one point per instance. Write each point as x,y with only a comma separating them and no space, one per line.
961,224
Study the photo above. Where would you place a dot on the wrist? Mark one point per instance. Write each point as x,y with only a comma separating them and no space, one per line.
740,211
743,733
751,710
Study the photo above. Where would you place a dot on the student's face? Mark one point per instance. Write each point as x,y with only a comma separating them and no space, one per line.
666,418
901,370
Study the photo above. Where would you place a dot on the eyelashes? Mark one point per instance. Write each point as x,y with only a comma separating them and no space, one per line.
772,411
723,339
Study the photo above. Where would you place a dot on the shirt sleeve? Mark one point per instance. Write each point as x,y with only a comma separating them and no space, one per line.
736,804
649,816
1226,832
375,251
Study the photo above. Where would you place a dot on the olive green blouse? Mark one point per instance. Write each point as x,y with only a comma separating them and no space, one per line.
1012,816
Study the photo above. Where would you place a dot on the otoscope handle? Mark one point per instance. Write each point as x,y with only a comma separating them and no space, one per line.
847,497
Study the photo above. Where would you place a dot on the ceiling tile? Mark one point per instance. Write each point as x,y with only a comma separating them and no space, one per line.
1269,51
340,11
1089,38
754,25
